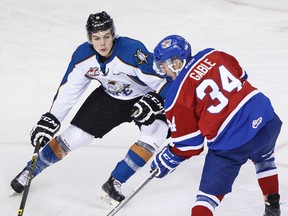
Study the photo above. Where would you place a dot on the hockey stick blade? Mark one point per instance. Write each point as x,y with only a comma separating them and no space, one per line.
134,192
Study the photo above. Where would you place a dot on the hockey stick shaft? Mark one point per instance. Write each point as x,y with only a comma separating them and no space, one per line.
135,191
30,176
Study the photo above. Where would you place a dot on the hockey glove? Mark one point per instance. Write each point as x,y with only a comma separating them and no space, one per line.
166,162
146,109
45,129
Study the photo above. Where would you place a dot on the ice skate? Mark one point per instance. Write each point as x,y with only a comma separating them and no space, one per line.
111,192
272,207
20,181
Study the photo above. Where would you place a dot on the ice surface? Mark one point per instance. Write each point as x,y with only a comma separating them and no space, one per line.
37,39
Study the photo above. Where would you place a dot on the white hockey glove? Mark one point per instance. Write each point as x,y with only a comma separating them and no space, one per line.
147,108
166,162
45,129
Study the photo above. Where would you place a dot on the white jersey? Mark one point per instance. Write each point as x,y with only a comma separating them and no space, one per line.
127,74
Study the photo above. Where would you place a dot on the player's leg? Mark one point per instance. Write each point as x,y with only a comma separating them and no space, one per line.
219,173
99,114
151,137
117,112
78,134
266,169
54,151
205,204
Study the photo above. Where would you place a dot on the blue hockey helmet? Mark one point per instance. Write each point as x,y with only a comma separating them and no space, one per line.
100,22
170,47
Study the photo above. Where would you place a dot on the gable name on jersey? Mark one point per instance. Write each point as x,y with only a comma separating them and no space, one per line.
201,69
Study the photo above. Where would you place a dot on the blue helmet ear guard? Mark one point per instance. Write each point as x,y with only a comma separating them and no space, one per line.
170,47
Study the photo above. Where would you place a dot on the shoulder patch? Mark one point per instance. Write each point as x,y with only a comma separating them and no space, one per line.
141,56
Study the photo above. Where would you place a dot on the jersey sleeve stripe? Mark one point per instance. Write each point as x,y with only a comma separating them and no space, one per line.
188,148
188,136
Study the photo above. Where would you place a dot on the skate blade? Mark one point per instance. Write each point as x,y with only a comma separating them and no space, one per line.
13,193
107,200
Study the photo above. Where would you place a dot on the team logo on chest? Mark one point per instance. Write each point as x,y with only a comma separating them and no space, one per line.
118,88
141,56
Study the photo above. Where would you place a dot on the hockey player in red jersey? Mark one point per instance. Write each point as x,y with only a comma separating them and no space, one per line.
212,100
124,69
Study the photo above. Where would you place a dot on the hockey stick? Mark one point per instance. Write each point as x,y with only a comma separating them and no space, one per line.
30,176
134,192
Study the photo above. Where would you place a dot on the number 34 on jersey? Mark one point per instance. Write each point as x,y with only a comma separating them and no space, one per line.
209,88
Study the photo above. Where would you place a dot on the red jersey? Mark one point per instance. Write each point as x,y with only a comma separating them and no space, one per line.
211,98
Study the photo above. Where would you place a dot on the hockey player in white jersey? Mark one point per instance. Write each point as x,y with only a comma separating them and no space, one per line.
124,68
